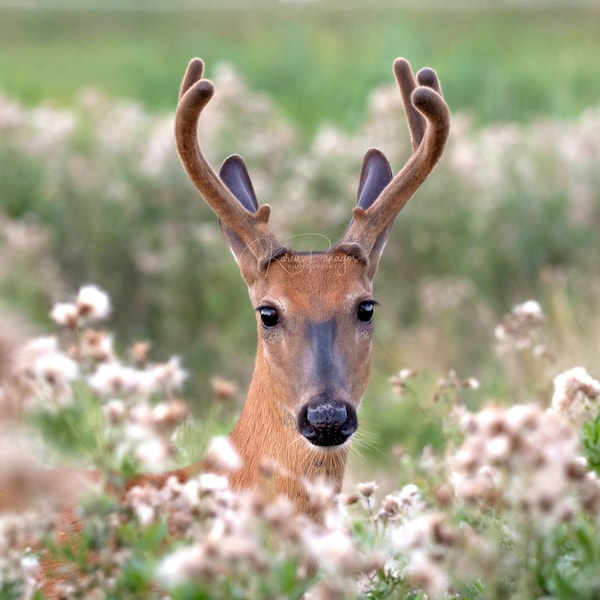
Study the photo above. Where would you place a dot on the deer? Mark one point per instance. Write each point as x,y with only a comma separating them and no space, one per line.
314,310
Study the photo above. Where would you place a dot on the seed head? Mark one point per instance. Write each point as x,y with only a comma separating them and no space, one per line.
367,488
92,303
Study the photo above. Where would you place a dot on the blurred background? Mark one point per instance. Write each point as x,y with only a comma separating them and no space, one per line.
91,190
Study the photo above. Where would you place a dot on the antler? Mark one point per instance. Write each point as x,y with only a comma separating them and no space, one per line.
250,227
428,119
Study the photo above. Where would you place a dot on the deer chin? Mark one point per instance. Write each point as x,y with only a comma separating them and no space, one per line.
328,450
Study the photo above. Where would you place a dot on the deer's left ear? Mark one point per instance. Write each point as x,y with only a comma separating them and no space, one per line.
235,176
375,175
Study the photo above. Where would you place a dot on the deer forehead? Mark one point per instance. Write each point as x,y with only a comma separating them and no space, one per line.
325,283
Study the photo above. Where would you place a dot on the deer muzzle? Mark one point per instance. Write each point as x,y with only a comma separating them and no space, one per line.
325,422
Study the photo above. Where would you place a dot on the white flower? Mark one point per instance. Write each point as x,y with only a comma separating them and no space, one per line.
223,455
97,345
209,482
115,379
531,309
367,488
65,313
181,566
153,453
167,376
55,368
573,392
333,551
114,411
93,303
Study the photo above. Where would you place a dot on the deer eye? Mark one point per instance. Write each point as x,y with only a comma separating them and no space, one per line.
268,316
365,311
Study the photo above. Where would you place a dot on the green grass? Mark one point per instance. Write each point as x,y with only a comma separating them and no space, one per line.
318,63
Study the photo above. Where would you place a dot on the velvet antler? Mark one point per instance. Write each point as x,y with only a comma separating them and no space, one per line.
251,227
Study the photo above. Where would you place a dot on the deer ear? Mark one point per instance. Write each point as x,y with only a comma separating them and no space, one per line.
375,175
235,176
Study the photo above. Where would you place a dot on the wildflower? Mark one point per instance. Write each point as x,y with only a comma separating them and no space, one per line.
321,495
573,391
332,550
523,457
167,415
93,303
222,388
399,380
471,383
66,314
114,411
139,353
46,373
426,573
97,345
406,503
209,482
222,454
181,566
530,310
113,378
167,377
348,499
30,566
153,453
367,489
56,369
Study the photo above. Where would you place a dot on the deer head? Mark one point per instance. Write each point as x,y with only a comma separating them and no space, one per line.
314,310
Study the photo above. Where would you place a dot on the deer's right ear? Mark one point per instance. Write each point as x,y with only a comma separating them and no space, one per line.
235,176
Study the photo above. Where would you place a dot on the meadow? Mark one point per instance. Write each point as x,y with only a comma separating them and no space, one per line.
488,289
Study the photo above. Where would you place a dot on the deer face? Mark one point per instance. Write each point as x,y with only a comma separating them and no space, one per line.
315,322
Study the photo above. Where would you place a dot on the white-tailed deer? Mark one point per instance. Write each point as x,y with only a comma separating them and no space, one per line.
314,310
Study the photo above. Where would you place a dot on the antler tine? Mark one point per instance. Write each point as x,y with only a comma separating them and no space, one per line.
428,119
251,228
406,82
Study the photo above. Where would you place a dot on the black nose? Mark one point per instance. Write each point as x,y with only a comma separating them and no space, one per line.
327,422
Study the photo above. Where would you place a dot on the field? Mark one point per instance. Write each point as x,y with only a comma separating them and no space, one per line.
488,289
317,62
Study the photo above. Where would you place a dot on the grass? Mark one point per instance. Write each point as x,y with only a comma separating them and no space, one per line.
319,63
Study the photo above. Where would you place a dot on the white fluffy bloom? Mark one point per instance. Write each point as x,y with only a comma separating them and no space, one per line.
209,482
167,376
530,308
222,454
333,550
65,313
181,566
93,303
55,369
576,394
111,379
